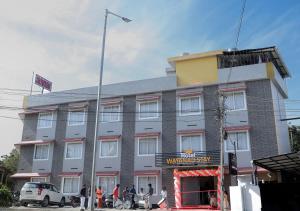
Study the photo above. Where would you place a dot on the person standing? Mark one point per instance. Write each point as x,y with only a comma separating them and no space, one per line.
116,194
133,193
99,196
226,201
149,194
89,198
82,197
164,195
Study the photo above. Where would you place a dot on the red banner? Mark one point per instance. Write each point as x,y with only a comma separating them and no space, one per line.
42,82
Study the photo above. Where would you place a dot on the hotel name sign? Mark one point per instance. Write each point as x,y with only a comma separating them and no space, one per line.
186,158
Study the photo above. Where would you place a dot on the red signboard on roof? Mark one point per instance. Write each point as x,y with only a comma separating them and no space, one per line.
43,82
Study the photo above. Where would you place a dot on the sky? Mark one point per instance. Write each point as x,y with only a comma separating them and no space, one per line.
61,41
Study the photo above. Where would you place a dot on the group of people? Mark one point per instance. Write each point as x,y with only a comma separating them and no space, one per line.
127,194
130,194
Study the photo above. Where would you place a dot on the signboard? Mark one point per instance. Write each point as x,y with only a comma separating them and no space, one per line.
187,158
42,82
232,163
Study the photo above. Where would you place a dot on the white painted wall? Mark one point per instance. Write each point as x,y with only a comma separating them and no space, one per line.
281,126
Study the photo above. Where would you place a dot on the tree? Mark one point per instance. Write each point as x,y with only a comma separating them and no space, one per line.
294,133
10,163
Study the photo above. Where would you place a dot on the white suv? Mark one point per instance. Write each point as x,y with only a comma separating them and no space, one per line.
41,193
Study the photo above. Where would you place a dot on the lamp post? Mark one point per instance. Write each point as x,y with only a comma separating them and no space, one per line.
107,12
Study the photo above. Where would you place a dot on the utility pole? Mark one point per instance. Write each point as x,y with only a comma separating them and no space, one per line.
221,117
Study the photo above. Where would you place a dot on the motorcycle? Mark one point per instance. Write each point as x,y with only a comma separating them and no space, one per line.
75,201
16,199
109,201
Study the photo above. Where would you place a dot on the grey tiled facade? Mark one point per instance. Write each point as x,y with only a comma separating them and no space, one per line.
258,120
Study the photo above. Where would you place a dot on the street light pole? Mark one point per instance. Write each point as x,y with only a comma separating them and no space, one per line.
221,116
99,105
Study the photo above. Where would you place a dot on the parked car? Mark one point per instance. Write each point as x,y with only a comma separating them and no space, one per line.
41,193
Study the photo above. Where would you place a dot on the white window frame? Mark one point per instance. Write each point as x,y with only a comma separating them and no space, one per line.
201,138
65,153
63,182
39,117
245,101
190,113
115,156
98,178
145,155
156,185
237,150
45,178
76,123
35,151
148,101
102,116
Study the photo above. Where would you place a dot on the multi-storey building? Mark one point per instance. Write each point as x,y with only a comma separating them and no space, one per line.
161,129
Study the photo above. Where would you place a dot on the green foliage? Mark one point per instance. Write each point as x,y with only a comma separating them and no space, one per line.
10,162
294,132
5,196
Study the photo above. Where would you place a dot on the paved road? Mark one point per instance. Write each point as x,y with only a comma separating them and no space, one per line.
54,208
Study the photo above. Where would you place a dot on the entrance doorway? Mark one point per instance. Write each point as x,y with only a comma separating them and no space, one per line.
196,190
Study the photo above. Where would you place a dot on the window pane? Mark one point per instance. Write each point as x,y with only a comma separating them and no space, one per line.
41,151
71,185
76,118
185,143
242,141
195,106
229,102
106,114
185,105
239,138
148,110
239,100
109,148
111,113
143,147
45,120
193,143
115,113
147,146
74,150
190,105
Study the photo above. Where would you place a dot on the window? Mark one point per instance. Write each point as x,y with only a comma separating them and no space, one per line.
41,152
111,113
109,148
38,179
240,139
143,181
70,185
76,117
147,146
235,101
190,106
73,150
148,110
193,143
45,120
107,184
